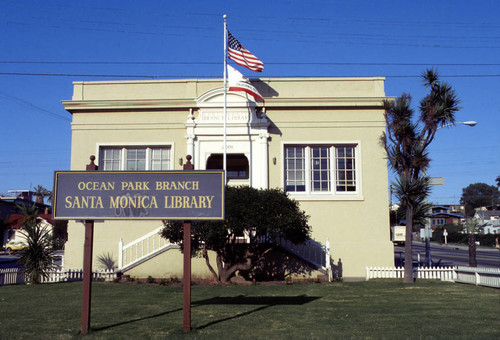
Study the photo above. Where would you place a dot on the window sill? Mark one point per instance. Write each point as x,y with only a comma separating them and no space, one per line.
323,197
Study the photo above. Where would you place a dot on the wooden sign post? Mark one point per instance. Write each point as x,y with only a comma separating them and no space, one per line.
87,265
186,226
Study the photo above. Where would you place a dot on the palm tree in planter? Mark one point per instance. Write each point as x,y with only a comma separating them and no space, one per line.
38,258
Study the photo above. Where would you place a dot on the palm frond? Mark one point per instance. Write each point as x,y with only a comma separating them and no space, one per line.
430,77
411,191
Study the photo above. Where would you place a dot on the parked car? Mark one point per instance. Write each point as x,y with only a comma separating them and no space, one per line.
15,246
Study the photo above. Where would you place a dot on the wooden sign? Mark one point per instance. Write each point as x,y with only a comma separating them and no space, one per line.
165,195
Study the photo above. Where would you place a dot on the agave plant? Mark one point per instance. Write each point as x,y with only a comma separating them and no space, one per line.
38,258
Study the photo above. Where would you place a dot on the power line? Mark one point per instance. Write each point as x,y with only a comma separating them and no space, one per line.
218,76
219,63
32,106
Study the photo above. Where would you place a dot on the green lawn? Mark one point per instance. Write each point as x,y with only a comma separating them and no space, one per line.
375,309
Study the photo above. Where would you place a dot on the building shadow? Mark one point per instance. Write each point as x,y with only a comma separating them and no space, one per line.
264,89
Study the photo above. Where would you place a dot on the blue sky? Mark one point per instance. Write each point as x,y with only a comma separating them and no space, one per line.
46,45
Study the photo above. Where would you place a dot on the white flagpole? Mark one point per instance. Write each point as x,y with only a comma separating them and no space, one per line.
225,99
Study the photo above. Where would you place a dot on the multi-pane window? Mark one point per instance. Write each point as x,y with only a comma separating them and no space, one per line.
160,158
111,159
135,158
295,168
320,168
439,221
345,168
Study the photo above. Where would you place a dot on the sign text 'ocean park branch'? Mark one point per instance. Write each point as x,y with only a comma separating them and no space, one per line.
175,195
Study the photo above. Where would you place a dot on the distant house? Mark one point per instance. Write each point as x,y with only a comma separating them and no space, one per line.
490,219
11,218
441,216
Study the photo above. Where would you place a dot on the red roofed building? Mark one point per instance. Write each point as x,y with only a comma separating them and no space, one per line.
11,219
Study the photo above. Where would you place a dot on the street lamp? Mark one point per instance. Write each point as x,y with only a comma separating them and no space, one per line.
470,123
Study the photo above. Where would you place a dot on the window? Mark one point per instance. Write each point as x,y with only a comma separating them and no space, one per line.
135,158
345,167
295,168
327,169
438,221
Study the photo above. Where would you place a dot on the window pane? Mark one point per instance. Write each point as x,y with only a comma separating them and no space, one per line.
320,168
295,170
346,170
160,159
136,159
111,159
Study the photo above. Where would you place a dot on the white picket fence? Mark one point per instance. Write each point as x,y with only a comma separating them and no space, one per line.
15,276
479,276
436,273
489,277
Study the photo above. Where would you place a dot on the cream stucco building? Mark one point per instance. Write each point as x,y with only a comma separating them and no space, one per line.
317,138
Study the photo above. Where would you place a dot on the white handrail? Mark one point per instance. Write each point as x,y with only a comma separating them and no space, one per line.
311,251
142,248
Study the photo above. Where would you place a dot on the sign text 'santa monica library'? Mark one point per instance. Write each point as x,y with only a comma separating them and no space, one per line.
176,195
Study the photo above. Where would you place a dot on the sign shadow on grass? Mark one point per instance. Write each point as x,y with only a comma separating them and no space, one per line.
263,301
96,329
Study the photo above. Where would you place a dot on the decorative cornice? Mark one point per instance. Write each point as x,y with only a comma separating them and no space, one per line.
129,105
174,104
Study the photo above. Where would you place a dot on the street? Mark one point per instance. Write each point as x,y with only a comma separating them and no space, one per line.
8,261
451,255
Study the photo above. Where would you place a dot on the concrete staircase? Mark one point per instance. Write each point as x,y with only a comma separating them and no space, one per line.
311,251
152,244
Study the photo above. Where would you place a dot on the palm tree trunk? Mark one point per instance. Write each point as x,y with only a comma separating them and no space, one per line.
472,250
408,274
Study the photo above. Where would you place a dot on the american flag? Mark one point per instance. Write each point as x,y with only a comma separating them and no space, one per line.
242,56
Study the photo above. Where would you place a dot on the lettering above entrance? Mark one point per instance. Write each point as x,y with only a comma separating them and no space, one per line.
165,195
